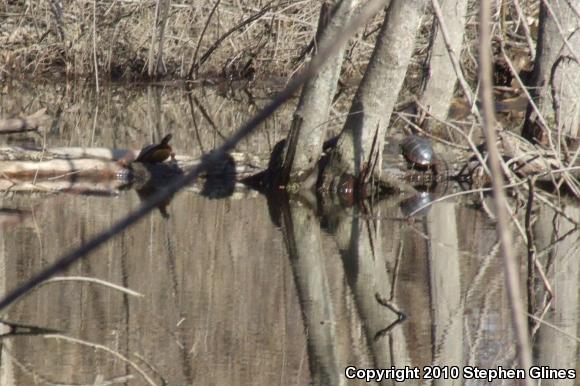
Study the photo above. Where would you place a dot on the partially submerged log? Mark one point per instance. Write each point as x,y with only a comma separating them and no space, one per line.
23,124
104,171
107,171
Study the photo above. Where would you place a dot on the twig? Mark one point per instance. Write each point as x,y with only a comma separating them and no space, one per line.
198,44
531,248
541,321
457,194
95,46
106,349
195,65
527,33
452,54
401,316
537,111
561,30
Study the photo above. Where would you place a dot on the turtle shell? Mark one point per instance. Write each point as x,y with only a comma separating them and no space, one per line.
156,152
418,151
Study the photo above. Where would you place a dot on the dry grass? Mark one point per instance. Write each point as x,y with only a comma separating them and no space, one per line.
39,39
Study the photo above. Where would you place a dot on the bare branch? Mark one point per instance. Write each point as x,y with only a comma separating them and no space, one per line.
508,255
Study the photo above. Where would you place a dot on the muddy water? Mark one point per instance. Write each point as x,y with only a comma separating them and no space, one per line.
252,291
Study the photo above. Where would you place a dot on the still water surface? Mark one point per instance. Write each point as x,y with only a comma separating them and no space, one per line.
248,290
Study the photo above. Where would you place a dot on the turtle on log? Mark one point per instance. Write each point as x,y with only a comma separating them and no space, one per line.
156,153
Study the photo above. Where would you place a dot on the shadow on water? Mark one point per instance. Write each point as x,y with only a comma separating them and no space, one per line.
251,290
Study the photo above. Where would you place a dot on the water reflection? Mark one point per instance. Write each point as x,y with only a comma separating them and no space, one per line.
252,290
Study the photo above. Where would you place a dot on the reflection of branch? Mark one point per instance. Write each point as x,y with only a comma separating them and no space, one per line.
30,370
207,117
94,281
24,329
106,349
401,317
540,320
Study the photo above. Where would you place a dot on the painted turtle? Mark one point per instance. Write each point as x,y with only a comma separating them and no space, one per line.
157,152
419,153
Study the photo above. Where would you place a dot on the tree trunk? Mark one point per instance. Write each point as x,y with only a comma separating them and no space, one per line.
366,126
441,78
556,76
304,144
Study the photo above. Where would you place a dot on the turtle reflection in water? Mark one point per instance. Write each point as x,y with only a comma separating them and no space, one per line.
417,205
156,153
419,153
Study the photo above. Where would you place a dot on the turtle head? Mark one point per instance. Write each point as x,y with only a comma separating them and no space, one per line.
166,139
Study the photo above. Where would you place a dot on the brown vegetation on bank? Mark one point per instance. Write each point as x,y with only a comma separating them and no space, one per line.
123,40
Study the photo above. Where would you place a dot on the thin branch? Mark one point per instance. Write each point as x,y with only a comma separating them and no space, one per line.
95,46
512,279
542,321
565,37
527,33
194,65
531,248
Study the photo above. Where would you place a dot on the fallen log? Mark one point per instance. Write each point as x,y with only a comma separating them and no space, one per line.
105,171
31,122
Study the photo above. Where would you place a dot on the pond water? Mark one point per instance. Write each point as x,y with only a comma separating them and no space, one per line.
250,290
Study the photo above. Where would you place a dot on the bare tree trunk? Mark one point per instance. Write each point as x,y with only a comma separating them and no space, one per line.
556,75
376,96
441,79
304,144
